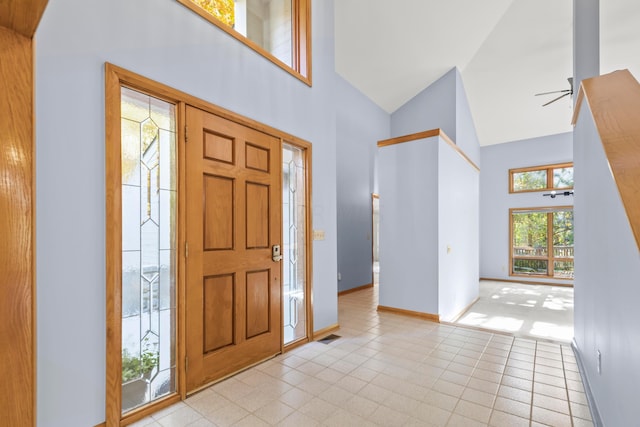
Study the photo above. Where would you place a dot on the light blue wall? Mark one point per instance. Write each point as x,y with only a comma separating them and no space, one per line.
495,200
360,124
607,291
434,107
442,105
458,232
465,137
428,203
409,226
166,42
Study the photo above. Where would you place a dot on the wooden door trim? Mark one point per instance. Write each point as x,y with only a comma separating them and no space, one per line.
17,209
115,77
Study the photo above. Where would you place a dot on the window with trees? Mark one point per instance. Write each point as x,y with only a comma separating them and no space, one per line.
541,178
542,242
280,30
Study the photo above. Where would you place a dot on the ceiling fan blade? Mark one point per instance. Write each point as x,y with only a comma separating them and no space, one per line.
555,99
555,91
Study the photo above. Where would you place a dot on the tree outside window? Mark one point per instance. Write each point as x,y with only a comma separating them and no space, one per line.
542,242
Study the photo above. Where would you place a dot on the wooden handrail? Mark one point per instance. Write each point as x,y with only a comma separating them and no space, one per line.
429,134
614,101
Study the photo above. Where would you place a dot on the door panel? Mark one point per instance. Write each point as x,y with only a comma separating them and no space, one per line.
233,200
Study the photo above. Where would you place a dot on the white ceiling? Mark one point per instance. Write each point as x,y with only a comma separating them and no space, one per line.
506,51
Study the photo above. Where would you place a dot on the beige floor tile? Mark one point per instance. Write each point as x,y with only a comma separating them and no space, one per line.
479,397
361,406
146,422
549,390
473,410
449,388
375,393
390,370
575,385
549,355
318,409
549,379
515,363
364,374
454,377
336,395
550,418
440,400
494,377
250,421
513,407
457,420
577,397
330,375
298,419
202,422
459,366
579,422
274,412
515,394
254,400
517,383
313,385
228,415
296,398
386,416
180,418
432,415
483,385
502,419
549,362
571,375
346,419
524,374
551,403
556,372
580,411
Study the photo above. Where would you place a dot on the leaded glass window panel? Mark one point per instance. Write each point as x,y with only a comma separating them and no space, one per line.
294,238
148,167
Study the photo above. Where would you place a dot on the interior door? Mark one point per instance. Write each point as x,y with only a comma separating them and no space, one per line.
233,221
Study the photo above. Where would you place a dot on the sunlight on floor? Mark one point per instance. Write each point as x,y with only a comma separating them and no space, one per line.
536,311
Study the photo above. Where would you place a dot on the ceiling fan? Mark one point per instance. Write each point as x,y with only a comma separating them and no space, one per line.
564,92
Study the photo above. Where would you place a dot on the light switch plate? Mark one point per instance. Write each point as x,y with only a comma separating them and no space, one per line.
318,234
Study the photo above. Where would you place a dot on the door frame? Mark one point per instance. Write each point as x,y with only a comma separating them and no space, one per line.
115,77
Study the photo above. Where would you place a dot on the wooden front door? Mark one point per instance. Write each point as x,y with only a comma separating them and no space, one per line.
233,217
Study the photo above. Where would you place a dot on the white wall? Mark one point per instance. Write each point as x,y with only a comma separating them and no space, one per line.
166,42
359,126
409,225
458,232
607,288
496,201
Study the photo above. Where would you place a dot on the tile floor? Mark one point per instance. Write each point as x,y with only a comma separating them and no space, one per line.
393,370
533,311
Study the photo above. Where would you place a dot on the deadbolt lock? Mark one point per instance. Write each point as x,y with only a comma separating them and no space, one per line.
275,253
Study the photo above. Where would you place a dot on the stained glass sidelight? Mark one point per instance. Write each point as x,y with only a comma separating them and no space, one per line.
294,255
148,164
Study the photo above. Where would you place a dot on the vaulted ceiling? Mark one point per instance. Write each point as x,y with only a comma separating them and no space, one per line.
506,50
